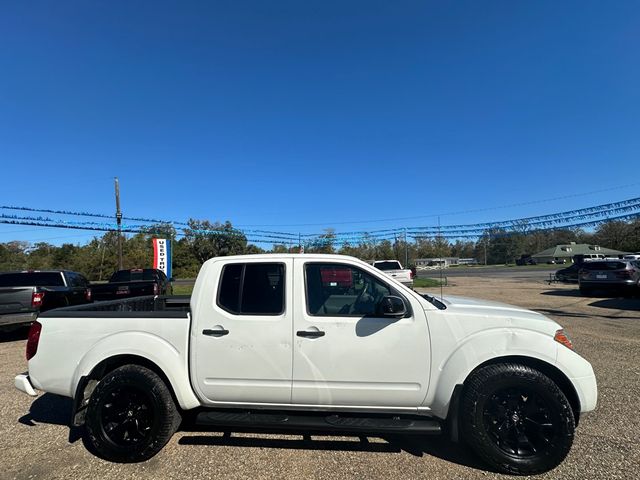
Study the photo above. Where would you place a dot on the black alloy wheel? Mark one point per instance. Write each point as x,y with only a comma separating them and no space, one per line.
519,422
131,415
126,416
516,419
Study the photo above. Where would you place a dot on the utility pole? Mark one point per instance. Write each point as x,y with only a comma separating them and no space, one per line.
119,222
486,242
406,250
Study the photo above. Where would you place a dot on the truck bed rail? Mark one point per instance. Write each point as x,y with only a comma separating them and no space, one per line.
150,305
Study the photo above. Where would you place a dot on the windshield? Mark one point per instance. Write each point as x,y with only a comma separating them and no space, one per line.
387,265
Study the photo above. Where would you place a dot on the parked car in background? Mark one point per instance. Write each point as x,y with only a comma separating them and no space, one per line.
557,261
133,283
23,295
393,268
569,274
610,275
526,259
586,257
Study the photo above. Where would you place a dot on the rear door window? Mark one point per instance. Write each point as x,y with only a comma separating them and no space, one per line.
604,265
252,289
76,280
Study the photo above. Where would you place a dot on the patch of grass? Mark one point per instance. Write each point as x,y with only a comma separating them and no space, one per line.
182,289
425,282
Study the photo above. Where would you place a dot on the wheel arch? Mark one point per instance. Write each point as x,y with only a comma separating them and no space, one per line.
555,374
87,383
551,371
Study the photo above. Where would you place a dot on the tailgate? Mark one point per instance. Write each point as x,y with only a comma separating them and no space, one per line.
401,275
15,299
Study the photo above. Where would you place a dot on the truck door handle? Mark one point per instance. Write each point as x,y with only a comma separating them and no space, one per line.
215,333
310,333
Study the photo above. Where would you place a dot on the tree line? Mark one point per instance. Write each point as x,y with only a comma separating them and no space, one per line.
203,239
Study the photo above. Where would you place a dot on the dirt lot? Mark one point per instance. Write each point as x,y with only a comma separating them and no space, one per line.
36,442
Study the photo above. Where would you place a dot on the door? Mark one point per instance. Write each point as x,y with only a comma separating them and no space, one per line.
345,355
78,286
242,338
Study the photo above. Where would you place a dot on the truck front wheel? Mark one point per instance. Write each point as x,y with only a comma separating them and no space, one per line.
131,415
517,419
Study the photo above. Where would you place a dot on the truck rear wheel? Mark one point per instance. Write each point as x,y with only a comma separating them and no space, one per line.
517,419
131,415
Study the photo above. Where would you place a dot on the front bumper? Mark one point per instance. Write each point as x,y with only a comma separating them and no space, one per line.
620,286
23,384
580,373
587,390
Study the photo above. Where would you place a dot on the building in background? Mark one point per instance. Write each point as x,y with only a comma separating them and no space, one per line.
565,253
442,262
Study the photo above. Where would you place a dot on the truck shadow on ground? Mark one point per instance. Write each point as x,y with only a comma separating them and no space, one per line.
563,293
54,410
418,446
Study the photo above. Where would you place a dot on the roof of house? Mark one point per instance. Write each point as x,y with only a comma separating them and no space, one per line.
571,249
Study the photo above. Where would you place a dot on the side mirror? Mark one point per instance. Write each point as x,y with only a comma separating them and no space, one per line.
391,306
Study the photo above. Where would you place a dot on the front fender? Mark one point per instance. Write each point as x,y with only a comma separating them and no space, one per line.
479,348
172,362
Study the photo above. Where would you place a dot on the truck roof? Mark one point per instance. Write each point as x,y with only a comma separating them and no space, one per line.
274,256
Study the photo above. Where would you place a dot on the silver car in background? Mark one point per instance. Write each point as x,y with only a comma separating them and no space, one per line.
620,277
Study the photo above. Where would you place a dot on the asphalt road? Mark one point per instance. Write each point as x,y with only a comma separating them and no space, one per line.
533,273
36,443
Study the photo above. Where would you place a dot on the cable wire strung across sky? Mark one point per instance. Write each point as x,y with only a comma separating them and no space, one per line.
580,218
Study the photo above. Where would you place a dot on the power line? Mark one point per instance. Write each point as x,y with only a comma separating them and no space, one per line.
395,219
576,217
460,212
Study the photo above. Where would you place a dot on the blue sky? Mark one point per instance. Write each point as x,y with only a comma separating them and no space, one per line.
337,114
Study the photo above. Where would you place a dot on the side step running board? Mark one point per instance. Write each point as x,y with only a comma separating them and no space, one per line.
306,421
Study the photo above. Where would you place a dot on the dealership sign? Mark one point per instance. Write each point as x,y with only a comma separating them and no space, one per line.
162,255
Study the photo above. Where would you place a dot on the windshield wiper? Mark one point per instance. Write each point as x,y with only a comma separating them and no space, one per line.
434,301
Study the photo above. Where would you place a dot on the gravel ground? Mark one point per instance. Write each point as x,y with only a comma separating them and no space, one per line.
36,442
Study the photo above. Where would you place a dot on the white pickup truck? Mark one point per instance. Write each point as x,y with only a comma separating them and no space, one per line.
393,269
313,342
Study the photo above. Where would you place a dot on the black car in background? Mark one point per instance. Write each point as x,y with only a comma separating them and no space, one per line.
136,282
526,259
619,277
23,295
569,274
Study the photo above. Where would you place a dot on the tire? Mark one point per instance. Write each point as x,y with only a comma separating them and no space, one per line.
130,416
516,419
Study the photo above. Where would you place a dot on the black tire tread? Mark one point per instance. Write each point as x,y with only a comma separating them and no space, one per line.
169,417
477,438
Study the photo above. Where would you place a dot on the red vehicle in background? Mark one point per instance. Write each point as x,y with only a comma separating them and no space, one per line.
336,277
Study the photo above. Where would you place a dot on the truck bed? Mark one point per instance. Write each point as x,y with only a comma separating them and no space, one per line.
147,306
